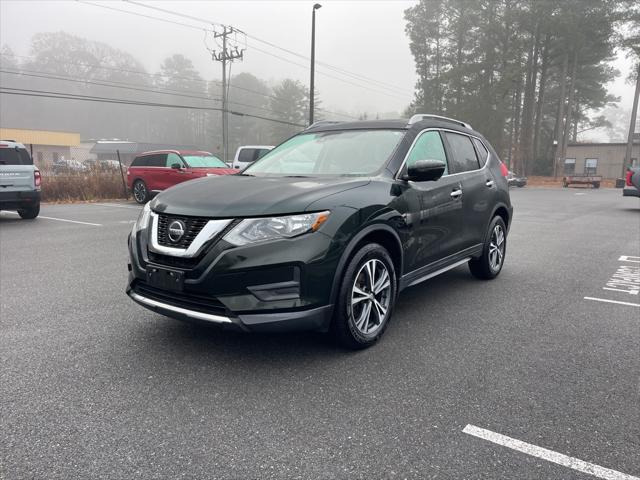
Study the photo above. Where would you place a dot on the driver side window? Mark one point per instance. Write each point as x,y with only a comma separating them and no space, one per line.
173,158
428,147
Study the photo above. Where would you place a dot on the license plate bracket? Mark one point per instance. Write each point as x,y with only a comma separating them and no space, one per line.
165,279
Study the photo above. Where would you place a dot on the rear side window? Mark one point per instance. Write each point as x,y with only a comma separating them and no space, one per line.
464,155
428,147
155,160
15,156
483,153
139,162
250,155
262,152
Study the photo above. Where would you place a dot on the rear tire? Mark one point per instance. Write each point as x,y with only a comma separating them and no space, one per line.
489,264
140,192
366,298
29,213
596,184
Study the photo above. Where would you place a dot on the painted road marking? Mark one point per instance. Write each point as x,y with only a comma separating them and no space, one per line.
63,220
612,301
548,455
626,280
629,258
115,205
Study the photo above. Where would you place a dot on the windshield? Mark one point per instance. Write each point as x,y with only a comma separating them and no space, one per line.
204,161
14,156
351,152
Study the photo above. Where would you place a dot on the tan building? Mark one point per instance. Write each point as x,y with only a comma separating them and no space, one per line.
599,158
46,147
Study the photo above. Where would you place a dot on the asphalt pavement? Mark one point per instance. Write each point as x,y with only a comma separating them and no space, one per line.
94,386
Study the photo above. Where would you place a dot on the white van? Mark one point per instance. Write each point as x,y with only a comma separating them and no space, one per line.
248,154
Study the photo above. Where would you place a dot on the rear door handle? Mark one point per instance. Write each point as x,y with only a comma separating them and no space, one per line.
489,183
456,193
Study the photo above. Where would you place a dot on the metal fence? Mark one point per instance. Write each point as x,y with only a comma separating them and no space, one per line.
83,177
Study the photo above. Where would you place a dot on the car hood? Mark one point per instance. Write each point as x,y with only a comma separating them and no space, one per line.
245,196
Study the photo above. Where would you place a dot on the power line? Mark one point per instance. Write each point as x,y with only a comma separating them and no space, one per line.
152,75
273,45
326,74
108,85
91,98
141,15
337,69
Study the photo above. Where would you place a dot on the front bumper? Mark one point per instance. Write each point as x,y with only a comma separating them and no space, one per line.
312,319
20,199
630,192
282,285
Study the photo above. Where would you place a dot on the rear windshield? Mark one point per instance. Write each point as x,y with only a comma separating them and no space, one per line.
204,161
15,156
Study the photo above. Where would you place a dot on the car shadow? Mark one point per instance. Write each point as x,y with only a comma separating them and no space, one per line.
214,345
6,219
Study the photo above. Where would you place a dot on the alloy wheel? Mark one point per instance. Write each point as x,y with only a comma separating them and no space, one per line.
370,297
139,192
496,247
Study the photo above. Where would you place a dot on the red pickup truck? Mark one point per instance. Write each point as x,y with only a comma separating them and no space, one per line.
152,172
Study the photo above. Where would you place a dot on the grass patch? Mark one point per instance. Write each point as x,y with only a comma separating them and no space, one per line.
64,188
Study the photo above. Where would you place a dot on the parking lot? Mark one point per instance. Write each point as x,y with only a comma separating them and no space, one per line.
534,375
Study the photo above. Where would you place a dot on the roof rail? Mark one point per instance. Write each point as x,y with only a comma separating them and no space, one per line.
322,122
425,116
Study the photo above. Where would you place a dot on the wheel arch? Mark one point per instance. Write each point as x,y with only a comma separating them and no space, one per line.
380,233
503,212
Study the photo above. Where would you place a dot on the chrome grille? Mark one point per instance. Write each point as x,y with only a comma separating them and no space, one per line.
193,226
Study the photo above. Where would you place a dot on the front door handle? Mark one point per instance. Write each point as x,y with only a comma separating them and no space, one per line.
457,193
489,183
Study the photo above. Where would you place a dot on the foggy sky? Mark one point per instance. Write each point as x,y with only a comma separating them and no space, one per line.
366,37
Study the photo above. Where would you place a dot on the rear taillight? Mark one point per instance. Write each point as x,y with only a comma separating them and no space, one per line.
37,179
504,170
628,178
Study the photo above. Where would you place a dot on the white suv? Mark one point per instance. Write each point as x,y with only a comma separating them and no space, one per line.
248,154
19,180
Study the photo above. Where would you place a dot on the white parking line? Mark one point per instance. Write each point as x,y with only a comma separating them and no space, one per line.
63,220
549,455
606,300
115,205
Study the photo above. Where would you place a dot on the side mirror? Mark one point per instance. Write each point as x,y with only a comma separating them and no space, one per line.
425,170
176,166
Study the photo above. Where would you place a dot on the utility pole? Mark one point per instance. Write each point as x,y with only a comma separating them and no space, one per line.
313,62
228,52
632,126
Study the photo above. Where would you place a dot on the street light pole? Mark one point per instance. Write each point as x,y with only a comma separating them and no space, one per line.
313,61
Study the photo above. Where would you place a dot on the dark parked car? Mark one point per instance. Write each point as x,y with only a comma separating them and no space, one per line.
515,181
325,230
632,183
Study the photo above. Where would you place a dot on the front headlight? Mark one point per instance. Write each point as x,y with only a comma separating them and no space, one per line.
143,219
252,230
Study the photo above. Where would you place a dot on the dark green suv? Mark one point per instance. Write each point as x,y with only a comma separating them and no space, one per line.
326,230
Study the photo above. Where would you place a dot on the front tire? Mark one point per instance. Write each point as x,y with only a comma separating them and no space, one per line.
366,298
140,192
489,264
29,213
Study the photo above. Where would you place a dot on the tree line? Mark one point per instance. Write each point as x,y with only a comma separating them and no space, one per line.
60,62
527,73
